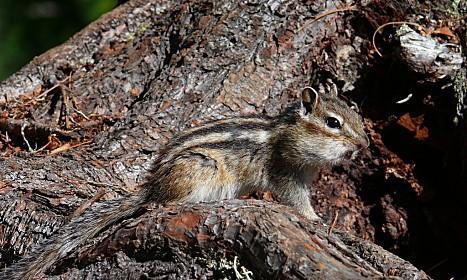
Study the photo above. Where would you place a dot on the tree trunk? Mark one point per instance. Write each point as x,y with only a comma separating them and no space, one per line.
84,121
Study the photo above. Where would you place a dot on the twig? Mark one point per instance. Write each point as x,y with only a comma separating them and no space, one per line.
334,221
247,273
325,14
59,83
390,23
24,137
10,125
67,147
64,110
75,107
43,147
60,149
80,210
404,99
237,274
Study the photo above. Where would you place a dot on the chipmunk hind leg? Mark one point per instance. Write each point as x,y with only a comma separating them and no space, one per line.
201,175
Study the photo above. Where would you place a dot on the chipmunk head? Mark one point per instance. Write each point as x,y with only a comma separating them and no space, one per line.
327,130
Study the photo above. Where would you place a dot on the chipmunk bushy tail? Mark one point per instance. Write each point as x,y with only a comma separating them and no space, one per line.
71,236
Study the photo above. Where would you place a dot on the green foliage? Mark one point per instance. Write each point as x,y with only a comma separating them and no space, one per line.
30,27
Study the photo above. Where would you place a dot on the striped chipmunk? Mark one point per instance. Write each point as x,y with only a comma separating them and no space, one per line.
225,159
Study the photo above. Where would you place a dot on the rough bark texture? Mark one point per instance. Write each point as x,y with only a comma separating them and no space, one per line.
91,114
195,241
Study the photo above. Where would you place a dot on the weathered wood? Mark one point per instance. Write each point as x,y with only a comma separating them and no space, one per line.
148,69
192,241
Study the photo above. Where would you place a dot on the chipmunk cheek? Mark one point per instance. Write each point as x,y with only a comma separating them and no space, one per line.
335,151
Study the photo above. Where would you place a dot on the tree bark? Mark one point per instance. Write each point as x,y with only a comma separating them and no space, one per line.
215,240
85,120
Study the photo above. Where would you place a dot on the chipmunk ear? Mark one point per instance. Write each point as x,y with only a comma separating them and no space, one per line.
310,99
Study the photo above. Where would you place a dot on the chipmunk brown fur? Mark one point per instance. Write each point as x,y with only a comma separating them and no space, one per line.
223,160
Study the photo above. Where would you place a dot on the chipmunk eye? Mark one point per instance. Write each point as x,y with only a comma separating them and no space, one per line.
333,122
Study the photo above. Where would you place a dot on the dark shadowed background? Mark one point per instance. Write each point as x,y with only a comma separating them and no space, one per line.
30,27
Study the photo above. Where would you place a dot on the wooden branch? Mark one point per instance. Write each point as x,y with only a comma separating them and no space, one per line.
266,240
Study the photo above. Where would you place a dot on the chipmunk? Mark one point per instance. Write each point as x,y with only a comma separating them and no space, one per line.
225,159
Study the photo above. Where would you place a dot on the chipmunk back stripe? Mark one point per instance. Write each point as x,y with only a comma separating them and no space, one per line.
199,139
237,120
236,138
245,126
234,141
233,145
258,136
